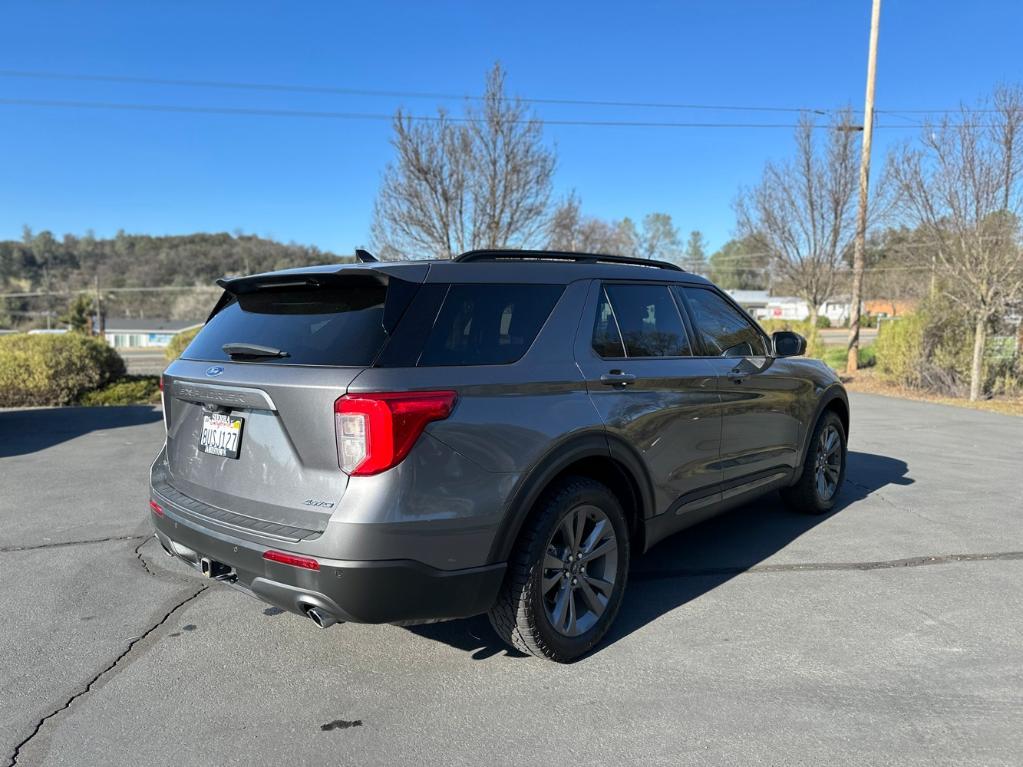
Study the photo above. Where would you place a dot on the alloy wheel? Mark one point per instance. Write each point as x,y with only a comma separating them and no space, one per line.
828,462
579,570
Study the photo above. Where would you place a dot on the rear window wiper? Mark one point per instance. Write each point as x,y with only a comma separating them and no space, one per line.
252,350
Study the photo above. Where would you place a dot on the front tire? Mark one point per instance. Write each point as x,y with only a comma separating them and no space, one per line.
823,472
567,573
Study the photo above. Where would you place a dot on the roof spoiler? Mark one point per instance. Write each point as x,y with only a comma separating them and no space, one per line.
399,291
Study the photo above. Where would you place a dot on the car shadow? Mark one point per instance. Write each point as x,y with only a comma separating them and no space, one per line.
695,561
29,431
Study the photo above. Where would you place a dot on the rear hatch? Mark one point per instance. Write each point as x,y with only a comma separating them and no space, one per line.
249,406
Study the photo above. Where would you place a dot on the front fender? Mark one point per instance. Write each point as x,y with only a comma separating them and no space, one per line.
835,392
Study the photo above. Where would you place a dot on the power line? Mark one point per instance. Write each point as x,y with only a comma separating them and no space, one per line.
446,96
344,91
330,115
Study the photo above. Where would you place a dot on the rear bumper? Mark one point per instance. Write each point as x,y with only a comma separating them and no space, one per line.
378,591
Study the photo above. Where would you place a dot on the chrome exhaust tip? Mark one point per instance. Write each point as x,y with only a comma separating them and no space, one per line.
320,617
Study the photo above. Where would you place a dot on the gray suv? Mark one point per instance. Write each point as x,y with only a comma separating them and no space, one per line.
405,442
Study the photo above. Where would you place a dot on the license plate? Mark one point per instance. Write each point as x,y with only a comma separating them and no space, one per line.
221,434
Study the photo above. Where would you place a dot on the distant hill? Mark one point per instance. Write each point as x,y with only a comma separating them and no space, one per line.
41,262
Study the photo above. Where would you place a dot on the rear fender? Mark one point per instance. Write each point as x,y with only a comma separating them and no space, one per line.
594,444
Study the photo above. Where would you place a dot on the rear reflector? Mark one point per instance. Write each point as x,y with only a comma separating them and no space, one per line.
156,508
375,431
291,559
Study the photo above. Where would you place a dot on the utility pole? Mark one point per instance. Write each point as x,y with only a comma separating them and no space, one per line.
100,324
861,217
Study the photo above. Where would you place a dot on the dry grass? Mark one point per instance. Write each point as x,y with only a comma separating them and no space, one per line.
868,382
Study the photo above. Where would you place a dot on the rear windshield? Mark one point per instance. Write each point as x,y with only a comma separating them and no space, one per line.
335,325
488,324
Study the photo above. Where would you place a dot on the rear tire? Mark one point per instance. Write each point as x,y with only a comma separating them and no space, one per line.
823,471
566,574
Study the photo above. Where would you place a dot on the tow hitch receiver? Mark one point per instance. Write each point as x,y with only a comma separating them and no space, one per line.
217,571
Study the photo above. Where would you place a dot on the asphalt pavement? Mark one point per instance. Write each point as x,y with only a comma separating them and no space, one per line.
889,632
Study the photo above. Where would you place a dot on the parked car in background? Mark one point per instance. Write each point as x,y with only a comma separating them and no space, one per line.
500,433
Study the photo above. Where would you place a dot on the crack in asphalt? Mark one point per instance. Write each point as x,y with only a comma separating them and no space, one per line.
138,555
60,544
92,682
888,564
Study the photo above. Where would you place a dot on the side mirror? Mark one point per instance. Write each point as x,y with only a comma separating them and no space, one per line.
788,344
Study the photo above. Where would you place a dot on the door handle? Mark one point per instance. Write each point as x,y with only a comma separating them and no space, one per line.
736,375
617,378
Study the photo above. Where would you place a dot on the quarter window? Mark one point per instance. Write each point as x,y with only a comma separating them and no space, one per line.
723,330
641,318
488,324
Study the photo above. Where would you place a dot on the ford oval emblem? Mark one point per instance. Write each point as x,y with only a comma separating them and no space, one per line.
214,370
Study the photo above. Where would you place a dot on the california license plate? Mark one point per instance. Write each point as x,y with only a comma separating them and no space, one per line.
221,434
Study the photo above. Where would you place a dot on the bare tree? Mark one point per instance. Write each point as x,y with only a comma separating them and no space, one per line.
570,230
566,225
483,182
963,187
802,212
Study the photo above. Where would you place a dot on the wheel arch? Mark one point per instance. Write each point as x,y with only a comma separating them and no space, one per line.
834,398
596,455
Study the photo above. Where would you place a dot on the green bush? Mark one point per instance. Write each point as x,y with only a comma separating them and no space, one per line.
53,369
179,342
823,321
814,345
898,345
130,390
930,349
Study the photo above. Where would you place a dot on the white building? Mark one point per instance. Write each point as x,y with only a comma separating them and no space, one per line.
143,334
753,301
766,307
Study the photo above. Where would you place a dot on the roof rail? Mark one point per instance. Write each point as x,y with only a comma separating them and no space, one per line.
556,255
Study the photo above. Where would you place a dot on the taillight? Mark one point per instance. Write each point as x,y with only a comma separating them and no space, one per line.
294,560
156,508
376,431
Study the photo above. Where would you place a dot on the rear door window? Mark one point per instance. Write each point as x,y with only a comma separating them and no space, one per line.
723,330
641,318
313,325
481,324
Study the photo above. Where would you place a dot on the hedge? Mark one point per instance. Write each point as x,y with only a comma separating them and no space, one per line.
814,345
53,369
179,342
130,390
933,349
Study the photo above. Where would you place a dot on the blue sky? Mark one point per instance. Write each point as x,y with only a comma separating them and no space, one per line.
314,181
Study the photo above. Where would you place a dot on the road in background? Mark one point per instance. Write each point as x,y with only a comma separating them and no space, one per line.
888,632
840,336
144,362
